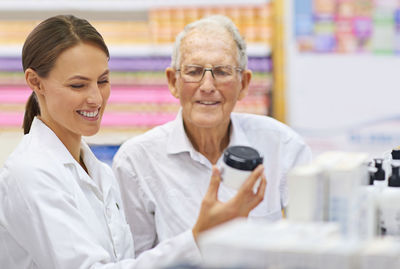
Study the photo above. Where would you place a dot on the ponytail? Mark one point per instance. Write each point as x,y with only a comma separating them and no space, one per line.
32,109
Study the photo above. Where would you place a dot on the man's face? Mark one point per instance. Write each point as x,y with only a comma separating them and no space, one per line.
209,103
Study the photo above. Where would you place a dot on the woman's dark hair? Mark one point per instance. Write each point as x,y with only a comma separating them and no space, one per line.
46,42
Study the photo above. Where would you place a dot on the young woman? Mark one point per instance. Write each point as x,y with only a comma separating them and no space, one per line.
59,206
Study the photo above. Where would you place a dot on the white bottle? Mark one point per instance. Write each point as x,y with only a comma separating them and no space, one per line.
239,162
389,204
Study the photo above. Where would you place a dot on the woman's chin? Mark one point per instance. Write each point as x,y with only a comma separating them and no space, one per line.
91,131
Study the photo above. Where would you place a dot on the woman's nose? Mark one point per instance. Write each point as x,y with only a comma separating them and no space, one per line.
94,95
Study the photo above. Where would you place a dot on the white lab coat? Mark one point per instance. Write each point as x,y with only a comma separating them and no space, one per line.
54,215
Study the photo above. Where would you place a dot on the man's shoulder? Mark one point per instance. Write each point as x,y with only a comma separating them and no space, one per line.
253,122
158,133
154,138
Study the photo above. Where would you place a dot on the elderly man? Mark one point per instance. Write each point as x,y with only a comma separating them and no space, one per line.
164,173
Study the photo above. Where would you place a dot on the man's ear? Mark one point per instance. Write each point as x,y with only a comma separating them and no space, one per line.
33,80
246,78
171,77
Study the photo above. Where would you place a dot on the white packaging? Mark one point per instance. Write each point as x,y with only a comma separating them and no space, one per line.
309,188
380,253
344,180
365,213
283,244
389,211
307,194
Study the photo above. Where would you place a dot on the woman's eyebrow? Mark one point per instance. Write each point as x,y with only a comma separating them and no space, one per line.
105,73
85,78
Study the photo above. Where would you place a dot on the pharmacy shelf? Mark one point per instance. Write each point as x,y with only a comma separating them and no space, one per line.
256,50
110,6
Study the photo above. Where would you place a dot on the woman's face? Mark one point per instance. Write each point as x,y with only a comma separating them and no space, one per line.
74,94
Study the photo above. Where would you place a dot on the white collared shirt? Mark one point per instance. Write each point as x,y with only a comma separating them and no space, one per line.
163,179
55,215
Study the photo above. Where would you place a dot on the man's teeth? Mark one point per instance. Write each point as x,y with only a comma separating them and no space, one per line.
89,114
208,102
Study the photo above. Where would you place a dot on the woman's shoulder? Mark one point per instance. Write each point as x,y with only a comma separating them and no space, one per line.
31,163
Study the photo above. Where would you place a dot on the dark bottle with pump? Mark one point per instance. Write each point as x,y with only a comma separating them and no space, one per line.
395,154
389,204
371,173
379,176
394,179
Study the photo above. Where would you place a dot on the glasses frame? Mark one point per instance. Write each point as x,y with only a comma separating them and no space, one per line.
211,69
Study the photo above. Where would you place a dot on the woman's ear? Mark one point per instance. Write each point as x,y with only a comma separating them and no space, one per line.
246,78
33,80
171,77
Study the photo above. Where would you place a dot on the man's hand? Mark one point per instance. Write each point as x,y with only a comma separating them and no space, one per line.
213,212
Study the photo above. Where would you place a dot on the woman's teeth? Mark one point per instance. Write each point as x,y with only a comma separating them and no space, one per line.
89,114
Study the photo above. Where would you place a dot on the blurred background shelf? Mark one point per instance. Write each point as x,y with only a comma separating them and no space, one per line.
140,35
117,5
259,50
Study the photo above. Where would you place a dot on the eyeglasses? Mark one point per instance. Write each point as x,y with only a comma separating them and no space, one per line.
221,73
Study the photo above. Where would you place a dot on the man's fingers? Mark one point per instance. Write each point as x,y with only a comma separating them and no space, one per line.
252,179
214,183
260,193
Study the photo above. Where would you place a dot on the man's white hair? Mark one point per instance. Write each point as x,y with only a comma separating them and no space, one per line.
212,21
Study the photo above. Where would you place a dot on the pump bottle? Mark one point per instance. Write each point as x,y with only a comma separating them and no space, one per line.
389,204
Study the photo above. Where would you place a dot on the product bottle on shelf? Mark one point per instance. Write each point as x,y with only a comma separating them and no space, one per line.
371,172
396,154
379,177
389,204
388,157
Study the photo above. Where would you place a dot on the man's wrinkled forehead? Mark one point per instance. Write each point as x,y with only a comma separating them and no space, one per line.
207,34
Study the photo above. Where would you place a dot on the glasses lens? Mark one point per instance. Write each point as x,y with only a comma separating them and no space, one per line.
192,73
223,72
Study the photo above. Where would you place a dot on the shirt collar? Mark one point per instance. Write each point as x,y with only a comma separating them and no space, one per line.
44,135
179,142
238,135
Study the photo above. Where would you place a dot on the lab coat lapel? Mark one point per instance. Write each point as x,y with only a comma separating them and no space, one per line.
99,178
43,135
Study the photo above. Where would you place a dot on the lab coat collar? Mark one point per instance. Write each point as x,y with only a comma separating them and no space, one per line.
44,135
100,178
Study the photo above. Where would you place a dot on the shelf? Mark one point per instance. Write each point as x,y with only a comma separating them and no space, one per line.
118,5
255,50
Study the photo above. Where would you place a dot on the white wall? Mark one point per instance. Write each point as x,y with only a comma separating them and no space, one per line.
343,101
